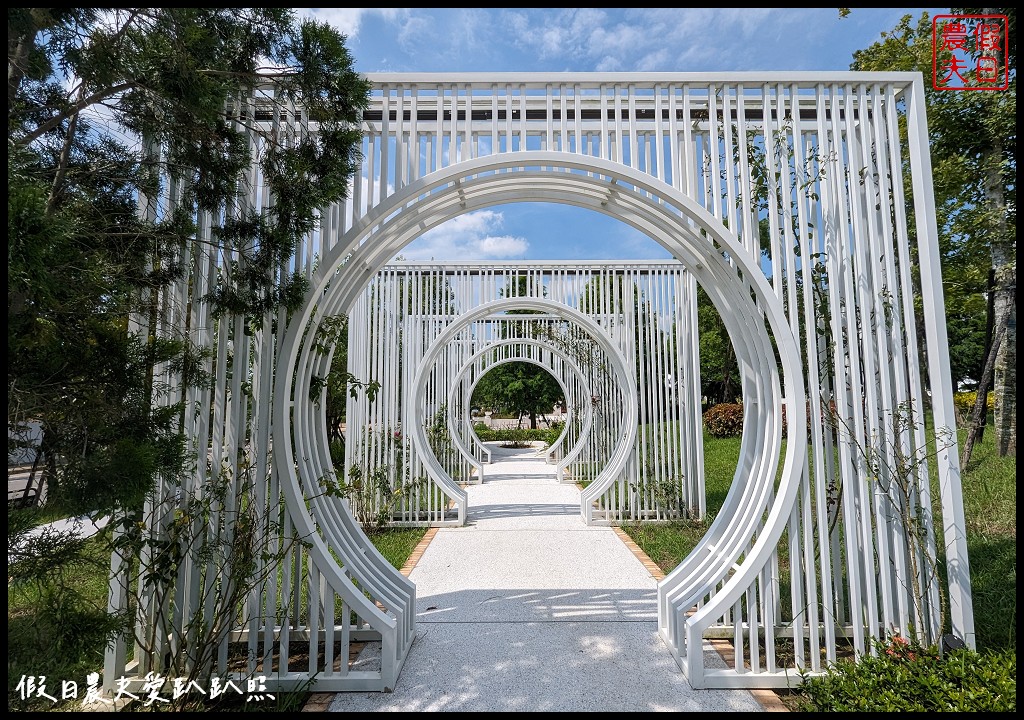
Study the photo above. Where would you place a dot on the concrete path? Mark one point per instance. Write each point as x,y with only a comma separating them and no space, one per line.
527,609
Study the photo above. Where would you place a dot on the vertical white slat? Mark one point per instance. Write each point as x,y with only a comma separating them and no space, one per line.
467,150
564,143
401,156
947,462
415,139
523,138
695,399
453,126
748,223
509,105
895,344
439,130
823,470
861,390
728,149
495,138
620,140
690,153
548,142
781,275
878,362
581,142
659,136
634,154
848,404
678,146
714,192
385,146
605,143
662,445
356,202
780,205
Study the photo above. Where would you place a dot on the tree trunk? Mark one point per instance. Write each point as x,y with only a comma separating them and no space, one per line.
981,400
990,331
1005,269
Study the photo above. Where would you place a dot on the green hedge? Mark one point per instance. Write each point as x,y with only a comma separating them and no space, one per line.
905,677
518,435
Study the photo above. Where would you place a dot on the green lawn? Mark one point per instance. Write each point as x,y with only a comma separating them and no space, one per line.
990,508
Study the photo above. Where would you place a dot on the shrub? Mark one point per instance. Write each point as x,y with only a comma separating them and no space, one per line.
483,432
553,432
907,677
517,437
724,420
964,404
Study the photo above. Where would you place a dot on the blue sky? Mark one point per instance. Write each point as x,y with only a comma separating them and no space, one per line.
589,40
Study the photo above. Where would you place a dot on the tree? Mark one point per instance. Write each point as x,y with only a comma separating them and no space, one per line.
520,388
719,370
105,108
972,136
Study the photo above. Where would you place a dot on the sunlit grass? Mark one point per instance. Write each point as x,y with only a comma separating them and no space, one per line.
990,508
397,544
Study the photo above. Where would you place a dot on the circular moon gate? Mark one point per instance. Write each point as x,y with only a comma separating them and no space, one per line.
554,136
734,284
647,308
619,456
483,369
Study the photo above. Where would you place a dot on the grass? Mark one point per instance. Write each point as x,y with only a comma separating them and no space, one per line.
667,544
397,544
990,508
56,625
37,645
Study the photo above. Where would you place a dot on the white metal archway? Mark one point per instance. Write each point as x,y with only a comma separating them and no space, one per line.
782,195
599,312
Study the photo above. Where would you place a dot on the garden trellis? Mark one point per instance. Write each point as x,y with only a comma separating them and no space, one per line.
782,195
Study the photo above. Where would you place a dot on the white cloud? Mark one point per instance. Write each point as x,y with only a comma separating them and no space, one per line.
645,39
347,20
472,236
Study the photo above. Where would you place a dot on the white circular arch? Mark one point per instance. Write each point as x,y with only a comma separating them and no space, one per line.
730,276
618,458
577,370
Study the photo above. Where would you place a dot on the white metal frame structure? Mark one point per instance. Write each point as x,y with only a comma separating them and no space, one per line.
619,338
782,195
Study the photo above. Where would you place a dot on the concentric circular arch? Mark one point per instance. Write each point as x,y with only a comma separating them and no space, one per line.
618,458
571,364
730,276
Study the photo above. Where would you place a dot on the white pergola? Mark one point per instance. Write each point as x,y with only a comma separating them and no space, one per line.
781,194
619,338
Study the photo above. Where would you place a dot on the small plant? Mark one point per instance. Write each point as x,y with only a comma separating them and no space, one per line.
223,539
667,494
516,438
964,404
374,491
724,420
896,469
902,676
